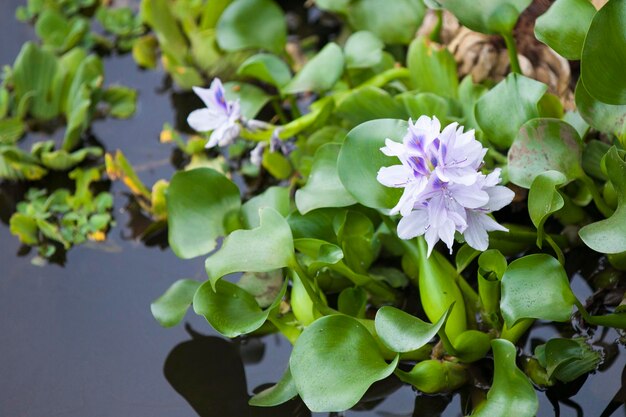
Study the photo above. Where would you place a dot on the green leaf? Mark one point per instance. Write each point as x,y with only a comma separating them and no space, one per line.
231,310
251,98
334,361
432,68
360,159
464,256
323,188
604,117
170,308
567,359
319,252
121,101
368,103
34,72
198,203
274,197
158,15
355,235
536,286
247,24
542,145
434,376
564,26
352,301
320,73
145,51
25,228
283,391
11,130
506,107
263,286
609,235
544,199
276,164
268,247
336,6
429,104
402,332
394,22
604,54
363,49
487,16
266,67
61,160
511,393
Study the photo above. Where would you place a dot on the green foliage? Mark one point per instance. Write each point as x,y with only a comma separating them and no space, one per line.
567,359
45,219
334,362
170,308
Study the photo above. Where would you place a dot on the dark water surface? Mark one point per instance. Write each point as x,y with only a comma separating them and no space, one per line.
79,341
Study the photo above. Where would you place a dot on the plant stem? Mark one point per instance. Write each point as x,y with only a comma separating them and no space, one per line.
514,333
497,156
295,111
278,108
306,283
597,197
512,50
435,35
557,250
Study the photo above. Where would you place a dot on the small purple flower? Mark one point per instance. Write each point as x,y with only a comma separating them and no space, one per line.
444,191
220,116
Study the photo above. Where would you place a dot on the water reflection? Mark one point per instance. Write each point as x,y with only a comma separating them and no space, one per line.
209,373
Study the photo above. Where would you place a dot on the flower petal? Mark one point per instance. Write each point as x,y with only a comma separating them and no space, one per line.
203,120
499,196
394,176
414,224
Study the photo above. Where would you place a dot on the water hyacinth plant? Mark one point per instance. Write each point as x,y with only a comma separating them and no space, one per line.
374,154
317,175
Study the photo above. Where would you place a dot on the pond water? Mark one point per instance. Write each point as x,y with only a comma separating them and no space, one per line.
78,339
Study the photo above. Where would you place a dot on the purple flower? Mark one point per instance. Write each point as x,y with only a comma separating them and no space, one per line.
444,191
220,116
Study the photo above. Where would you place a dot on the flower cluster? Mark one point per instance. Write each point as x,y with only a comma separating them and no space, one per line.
444,190
220,116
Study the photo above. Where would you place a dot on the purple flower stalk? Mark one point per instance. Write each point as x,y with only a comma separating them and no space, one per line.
220,116
444,190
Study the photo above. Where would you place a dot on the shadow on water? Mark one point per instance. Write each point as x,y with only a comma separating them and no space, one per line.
78,339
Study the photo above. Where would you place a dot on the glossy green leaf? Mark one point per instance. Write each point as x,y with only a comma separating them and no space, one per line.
432,68
231,310
542,145
536,286
247,24
609,235
506,107
402,332
368,103
274,197
544,199
355,235
604,54
393,22
323,188
276,164
334,361
511,392
268,247
319,252
564,26
487,16
158,15
266,67
363,49
469,94
464,257
170,308
61,160
320,73
251,98
360,159
199,202
281,392
438,290
604,117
